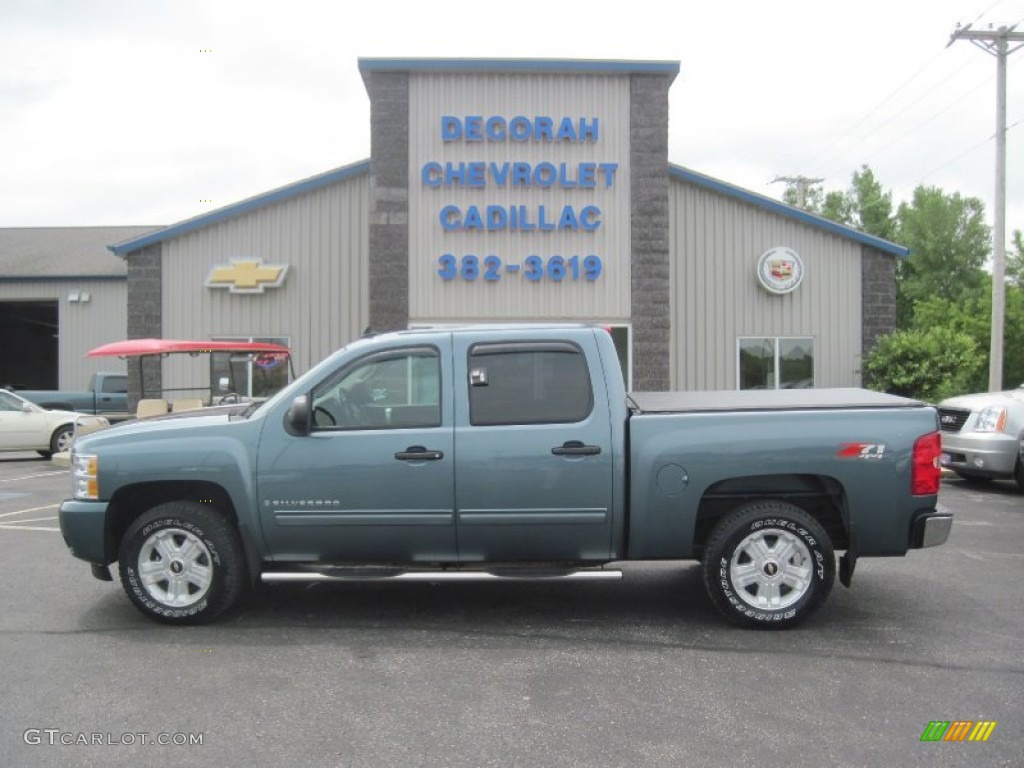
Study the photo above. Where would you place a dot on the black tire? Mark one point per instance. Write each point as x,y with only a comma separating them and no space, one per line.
1018,473
795,572
60,440
196,549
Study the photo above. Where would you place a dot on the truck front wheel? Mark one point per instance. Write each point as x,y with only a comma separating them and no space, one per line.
182,563
768,564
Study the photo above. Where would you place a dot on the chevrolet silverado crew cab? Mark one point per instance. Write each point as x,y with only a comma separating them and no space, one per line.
505,453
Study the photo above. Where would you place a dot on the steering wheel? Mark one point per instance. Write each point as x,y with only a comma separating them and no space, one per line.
349,414
323,418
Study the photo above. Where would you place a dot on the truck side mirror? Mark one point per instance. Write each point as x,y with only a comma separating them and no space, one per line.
297,420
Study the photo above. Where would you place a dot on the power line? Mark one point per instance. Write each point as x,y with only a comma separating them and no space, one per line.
878,128
969,92
878,106
851,131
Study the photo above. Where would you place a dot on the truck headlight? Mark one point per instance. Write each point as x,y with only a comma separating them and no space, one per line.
991,419
84,476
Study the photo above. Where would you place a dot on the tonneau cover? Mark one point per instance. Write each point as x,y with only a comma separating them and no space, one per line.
764,400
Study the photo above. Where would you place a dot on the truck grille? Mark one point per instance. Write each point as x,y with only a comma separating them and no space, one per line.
952,419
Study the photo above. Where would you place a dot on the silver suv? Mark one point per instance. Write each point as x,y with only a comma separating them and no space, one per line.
983,435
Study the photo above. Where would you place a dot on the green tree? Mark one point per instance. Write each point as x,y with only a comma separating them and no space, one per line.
871,205
812,197
929,365
973,318
864,205
1015,260
949,242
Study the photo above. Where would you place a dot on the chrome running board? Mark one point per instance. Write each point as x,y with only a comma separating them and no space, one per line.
389,574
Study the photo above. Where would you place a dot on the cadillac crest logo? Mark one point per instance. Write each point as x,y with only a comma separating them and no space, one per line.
780,270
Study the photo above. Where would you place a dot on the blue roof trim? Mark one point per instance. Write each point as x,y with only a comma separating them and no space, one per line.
62,278
781,209
583,66
237,209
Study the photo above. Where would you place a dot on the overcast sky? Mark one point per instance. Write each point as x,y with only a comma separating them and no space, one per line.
152,111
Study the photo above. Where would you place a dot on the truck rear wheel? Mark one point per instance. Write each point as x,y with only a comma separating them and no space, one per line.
182,563
768,564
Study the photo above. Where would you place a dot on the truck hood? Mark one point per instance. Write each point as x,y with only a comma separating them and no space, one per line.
984,399
161,425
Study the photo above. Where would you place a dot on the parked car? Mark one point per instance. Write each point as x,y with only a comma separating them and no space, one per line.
982,434
24,426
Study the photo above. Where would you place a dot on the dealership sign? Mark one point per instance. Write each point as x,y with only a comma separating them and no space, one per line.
780,270
499,181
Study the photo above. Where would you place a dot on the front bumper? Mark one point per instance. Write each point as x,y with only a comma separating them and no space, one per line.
83,524
931,529
980,453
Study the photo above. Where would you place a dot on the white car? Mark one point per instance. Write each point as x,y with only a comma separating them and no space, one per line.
24,426
982,435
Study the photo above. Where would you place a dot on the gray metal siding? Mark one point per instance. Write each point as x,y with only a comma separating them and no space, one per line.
323,238
715,243
83,325
513,297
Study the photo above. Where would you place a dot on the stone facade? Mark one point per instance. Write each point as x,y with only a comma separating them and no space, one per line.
389,200
878,297
651,282
145,318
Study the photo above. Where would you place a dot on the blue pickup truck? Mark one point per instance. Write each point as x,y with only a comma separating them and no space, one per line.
505,453
107,395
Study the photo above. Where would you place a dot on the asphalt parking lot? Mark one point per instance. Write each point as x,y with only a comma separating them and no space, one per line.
636,673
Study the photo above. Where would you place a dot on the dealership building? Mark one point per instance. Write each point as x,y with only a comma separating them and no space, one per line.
518,191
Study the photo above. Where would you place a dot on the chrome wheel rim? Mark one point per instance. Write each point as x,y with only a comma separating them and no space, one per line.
771,569
175,568
64,440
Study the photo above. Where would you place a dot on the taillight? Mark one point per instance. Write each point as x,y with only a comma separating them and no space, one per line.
925,471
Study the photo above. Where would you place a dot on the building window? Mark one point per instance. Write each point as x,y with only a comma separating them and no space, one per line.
780,362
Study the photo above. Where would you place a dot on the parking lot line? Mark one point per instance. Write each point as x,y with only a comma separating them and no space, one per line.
34,519
30,477
12,527
30,509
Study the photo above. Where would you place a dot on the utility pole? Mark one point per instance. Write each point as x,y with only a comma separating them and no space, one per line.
996,42
802,183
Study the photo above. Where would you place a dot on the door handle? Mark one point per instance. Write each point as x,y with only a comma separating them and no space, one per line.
419,453
575,448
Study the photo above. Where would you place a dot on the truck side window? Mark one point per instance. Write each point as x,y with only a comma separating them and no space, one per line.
389,390
115,385
528,383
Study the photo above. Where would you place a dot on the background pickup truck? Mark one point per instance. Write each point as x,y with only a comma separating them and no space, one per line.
107,395
505,453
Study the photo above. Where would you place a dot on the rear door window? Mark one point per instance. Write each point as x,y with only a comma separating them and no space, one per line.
528,383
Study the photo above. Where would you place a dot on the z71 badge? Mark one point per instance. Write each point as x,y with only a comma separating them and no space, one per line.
861,451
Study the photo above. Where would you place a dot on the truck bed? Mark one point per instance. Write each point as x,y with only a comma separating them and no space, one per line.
764,400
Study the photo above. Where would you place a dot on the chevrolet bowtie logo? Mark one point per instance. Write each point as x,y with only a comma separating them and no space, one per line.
247,276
